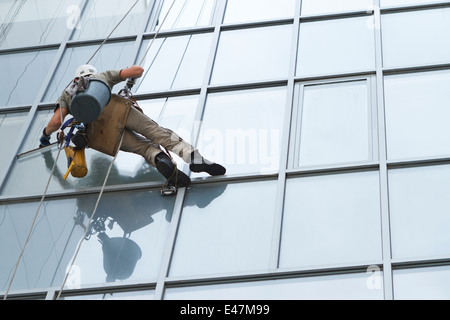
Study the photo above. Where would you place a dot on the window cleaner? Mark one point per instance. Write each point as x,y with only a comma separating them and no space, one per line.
121,125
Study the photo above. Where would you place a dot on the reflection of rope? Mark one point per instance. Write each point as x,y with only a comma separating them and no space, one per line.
50,179
90,220
20,77
156,34
32,225
118,24
8,24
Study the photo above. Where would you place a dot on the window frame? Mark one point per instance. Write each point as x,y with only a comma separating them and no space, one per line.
297,118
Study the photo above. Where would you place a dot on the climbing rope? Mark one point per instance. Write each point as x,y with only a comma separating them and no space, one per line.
156,34
51,175
106,177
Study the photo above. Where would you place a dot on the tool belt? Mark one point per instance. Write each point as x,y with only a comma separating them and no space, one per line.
105,133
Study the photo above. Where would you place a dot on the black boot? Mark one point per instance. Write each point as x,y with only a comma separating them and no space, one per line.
200,164
175,177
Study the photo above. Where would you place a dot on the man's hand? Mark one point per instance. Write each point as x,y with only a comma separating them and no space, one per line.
131,72
44,140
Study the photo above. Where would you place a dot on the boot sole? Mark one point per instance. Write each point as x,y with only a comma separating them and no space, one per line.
213,169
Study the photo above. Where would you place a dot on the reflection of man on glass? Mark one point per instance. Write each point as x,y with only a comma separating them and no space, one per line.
142,135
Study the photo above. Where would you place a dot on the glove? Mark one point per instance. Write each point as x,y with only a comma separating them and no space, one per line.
44,140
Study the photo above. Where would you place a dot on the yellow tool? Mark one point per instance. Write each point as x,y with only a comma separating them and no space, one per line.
76,160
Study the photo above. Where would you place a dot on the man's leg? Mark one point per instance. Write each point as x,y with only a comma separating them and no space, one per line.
140,123
134,143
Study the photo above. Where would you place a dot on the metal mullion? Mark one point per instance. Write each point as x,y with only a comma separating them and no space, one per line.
154,17
209,67
257,24
142,186
330,170
285,150
334,16
178,32
420,262
383,169
416,69
132,286
335,76
248,85
17,108
167,94
31,48
99,41
140,37
419,162
292,273
417,7
170,247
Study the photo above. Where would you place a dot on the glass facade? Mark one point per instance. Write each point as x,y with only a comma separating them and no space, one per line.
330,117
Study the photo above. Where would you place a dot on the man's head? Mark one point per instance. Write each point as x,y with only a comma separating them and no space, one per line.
85,70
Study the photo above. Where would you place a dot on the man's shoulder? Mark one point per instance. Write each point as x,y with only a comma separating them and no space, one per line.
110,77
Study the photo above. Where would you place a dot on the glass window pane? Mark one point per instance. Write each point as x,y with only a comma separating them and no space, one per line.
336,124
174,62
331,219
416,115
336,46
101,17
242,130
26,71
240,59
46,22
419,211
422,284
215,237
312,7
10,124
40,120
254,10
113,56
175,113
125,242
45,259
398,3
421,34
186,14
336,287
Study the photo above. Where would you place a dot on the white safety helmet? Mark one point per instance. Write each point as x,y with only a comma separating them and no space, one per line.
85,70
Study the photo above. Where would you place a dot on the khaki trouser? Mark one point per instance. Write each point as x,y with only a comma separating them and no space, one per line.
144,136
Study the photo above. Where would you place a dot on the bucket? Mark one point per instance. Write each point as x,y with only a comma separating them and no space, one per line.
87,106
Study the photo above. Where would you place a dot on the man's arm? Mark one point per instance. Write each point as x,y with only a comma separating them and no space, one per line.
131,72
53,125
55,122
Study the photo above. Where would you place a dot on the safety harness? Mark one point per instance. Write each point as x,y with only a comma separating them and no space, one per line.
76,159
